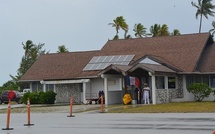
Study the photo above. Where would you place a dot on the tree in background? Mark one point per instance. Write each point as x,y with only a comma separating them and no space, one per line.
175,32
139,30
212,31
116,37
31,54
62,49
204,7
119,23
163,31
9,85
27,48
154,29
127,36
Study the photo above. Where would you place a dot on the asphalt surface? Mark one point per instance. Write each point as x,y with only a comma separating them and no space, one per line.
97,122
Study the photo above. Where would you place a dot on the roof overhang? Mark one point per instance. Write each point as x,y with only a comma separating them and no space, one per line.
65,81
118,68
196,73
152,68
28,80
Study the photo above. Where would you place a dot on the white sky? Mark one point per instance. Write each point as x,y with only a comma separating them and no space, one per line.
82,24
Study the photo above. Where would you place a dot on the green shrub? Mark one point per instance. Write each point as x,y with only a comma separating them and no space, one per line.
47,97
39,97
34,96
199,90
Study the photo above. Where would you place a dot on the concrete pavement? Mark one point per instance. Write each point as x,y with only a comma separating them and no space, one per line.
105,123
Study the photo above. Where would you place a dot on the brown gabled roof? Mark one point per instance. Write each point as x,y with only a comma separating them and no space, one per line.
182,51
162,61
122,69
207,61
60,66
153,68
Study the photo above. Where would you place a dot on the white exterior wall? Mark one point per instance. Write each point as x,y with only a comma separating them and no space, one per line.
114,90
187,96
114,84
115,97
93,88
190,97
210,98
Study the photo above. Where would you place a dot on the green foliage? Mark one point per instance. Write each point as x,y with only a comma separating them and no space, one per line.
200,91
119,23
39,97
204,8
34,96
32,53
62,49
9,85
47,97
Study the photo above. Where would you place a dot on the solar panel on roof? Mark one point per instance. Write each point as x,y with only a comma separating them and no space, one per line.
94,59
95,66
114,59
101,59
108,58
129,57
121,58
87,67
101,62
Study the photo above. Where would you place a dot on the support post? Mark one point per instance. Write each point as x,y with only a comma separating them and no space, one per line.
71,101
8,118
102,104
29,112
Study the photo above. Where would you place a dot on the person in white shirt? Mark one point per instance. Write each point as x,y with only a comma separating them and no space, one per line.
146,90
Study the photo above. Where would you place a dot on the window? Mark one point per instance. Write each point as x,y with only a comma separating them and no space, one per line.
205,79
50,87
159,82
198,79
212,81
171,82
189,80
36,86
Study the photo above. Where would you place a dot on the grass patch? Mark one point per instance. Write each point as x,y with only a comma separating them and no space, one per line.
182,107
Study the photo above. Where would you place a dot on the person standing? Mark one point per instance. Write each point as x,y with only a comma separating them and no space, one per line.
146,90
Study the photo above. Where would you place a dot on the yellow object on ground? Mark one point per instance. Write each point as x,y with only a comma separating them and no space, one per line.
127,99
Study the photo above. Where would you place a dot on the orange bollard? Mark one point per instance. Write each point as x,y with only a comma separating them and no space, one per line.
29,111
71,101
213,132
8,118
102,104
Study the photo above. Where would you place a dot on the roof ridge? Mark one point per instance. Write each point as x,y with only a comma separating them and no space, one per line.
168,36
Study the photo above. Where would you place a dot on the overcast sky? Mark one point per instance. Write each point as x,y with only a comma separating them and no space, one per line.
82,25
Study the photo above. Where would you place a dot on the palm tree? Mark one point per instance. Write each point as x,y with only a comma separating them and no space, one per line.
212,31
62,49
175,32
127,36
116,37
26,58
204,7
139,30
118,23
27,47
163,31
154,30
